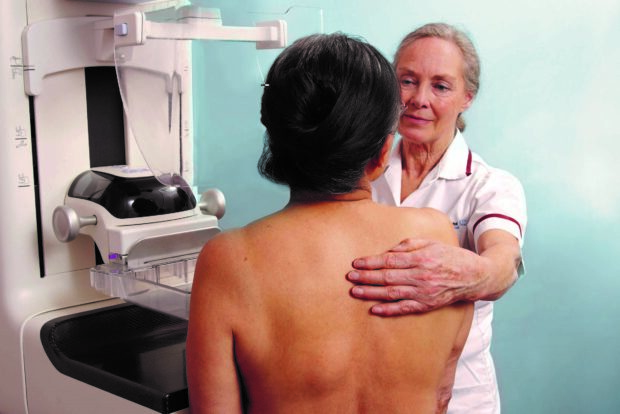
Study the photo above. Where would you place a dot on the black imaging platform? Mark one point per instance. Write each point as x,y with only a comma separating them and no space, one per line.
129,351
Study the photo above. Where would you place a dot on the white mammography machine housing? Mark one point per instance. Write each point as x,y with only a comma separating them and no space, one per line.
99,235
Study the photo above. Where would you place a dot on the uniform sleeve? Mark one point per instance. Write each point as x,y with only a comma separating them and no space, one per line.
499,204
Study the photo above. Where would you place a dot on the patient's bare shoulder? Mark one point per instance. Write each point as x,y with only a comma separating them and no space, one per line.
219,268
214,259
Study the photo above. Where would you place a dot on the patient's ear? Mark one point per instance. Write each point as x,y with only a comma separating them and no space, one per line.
377,165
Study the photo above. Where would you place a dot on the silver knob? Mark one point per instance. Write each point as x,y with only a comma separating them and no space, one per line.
67,223
213,202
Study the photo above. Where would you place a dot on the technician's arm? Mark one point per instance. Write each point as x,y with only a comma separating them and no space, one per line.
422,275
502,254
211,372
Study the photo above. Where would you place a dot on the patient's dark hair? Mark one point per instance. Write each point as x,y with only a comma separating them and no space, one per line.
329,103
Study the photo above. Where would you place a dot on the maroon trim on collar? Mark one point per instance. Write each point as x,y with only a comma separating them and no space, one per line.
468,168
497,215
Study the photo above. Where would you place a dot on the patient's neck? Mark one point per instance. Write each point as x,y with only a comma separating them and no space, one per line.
310,197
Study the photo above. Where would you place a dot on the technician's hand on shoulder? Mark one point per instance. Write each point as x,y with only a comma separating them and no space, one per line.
417,276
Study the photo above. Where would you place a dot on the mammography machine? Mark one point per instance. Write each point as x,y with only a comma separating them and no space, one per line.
100,225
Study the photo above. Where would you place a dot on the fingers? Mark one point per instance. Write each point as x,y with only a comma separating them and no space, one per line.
403,300
391,293
383,293
404,276
403,307
389,260
400,256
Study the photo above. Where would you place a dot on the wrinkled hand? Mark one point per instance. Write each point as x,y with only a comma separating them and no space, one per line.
416,276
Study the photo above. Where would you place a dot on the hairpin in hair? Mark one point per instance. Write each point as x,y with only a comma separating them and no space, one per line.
264,85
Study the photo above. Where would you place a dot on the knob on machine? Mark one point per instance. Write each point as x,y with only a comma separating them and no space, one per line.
67,223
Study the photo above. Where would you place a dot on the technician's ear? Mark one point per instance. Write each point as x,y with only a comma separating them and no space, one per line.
376,167
469,99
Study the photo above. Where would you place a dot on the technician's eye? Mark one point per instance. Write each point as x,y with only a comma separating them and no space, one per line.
441,88
407,82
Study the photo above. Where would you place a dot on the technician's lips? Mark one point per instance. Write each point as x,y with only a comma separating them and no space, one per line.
415,119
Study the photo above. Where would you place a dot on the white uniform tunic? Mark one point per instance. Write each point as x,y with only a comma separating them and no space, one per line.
477,198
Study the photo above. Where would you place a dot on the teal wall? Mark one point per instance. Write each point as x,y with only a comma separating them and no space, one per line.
547,112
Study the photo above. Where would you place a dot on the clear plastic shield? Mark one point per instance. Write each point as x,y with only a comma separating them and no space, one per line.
161,78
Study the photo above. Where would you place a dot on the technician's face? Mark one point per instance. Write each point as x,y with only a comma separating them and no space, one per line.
432,85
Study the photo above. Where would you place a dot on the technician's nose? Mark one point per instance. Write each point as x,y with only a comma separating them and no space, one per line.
417,98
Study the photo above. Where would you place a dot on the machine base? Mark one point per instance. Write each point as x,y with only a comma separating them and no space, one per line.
131,352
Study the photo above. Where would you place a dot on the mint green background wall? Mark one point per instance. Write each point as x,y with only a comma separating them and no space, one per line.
548,111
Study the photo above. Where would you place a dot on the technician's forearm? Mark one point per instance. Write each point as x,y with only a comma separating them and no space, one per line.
498,269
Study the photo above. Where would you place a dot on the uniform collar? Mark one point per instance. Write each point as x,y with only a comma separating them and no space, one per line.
456,162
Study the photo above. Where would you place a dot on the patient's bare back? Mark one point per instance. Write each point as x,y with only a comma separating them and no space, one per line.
302,344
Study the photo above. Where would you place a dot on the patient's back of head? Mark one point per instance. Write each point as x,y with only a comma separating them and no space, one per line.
329,103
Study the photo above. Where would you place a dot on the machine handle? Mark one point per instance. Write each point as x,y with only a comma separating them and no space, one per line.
212,202
67,223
